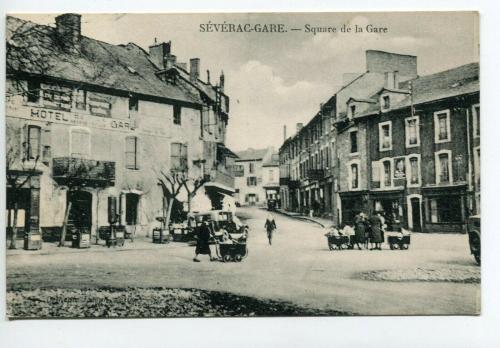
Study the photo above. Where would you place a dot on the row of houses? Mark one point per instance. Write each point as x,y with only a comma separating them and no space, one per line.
87,120
390,141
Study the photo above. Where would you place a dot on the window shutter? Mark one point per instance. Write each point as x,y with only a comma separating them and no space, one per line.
25,143
46,145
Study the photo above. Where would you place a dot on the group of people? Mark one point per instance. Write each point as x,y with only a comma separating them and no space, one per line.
365,231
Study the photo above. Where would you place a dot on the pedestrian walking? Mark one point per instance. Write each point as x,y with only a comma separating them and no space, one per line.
270,226
202,243
359,230
376,231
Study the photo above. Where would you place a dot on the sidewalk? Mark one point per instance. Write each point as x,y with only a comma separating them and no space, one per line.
49,248
320,221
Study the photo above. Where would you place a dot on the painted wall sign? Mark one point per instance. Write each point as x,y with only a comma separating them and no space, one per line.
85,120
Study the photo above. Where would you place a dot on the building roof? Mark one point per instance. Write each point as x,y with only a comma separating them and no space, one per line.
251,154
445,84
273,161
35,49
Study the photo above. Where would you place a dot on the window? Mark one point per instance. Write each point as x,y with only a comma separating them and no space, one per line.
33,91
238,170
387,173
443,167
251,168
386,102
131,152
133,103
177,114
80,143
131,208
178,157
414,177
353,174
445,209
442,126
353,110
252,181
385,136
271,175
412,131
354,142
476,126
33,142
81,99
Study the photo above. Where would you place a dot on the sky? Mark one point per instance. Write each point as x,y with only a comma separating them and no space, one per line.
278,79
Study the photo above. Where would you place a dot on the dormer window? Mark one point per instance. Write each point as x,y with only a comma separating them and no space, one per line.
133,103
386,102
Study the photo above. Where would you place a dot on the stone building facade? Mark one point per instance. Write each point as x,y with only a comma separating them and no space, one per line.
401,144
87,120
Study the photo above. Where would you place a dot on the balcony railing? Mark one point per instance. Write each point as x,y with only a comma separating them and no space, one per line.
84,172
220,177
315,174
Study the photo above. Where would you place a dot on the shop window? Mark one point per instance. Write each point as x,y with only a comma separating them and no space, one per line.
178,157
385,136
80,143
354,142
177,114
446,209
412,131
33,91
442,126
131,152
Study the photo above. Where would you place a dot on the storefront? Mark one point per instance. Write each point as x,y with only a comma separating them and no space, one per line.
391,205
353,203
445,209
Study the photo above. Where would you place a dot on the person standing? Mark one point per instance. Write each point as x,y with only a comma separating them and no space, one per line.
359,230
376,228
202,243
270,226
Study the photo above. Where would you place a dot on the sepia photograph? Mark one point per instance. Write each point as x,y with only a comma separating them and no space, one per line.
167,165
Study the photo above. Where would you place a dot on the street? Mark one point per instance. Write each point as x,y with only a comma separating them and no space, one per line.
437,275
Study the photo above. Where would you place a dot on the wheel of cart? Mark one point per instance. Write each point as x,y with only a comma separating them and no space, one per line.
338,242
233,252
401,243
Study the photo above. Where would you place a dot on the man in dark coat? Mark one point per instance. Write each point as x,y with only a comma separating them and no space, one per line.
202,243
376,228
359,229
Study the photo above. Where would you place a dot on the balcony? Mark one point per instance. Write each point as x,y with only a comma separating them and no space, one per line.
315,174
83,172
219,178
284,181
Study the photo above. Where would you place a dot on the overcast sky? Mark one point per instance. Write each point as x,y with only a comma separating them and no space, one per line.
280,79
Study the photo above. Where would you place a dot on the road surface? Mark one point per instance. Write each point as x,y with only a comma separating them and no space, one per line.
298,268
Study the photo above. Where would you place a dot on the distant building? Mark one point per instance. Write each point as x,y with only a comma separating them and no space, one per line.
396,143
108,118
248,172
270,177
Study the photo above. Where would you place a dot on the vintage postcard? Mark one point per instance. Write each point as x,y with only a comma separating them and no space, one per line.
242,164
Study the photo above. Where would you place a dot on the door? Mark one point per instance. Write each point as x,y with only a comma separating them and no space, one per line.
415,214
80,214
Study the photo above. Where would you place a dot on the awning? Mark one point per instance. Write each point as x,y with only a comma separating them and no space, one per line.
219,186
225,151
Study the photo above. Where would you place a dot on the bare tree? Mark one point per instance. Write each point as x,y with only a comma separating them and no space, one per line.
20,168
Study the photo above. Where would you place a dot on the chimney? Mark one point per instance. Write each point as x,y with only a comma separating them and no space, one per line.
69,30
222,79
158,53
194,69
284,133
299,127
170,61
